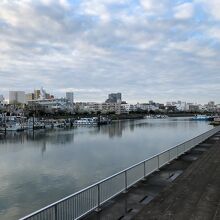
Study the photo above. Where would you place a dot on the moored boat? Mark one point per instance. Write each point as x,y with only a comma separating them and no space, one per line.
86,121
202,118
14,127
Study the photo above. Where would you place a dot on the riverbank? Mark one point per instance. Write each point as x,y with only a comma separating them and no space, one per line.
132,115
215,123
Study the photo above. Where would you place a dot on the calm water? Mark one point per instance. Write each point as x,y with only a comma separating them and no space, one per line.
38,169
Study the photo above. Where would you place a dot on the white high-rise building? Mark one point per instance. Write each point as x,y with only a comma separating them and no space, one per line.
17,97
70,97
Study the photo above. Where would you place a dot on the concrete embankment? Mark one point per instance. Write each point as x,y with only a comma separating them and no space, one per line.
187,188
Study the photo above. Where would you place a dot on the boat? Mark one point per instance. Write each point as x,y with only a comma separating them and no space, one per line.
216,121
13,127
12,123
34,124
86,121
103,120
92,121
202,118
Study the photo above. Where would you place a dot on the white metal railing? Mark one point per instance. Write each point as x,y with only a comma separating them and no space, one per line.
81,203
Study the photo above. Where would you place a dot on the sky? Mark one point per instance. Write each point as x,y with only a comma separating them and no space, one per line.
148,50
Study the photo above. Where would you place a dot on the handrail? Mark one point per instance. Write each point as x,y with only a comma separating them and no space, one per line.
99,184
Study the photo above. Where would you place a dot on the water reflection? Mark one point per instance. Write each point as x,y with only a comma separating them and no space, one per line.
116,129
41,167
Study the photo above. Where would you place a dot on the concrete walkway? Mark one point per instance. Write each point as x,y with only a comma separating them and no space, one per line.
194,195
188,188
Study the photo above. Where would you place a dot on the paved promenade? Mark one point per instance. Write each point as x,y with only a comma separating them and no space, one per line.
186,189
195,195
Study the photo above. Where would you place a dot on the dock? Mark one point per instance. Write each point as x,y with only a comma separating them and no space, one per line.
187,188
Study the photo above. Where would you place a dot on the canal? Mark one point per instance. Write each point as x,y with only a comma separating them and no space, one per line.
39,168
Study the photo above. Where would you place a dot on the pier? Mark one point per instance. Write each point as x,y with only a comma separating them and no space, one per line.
127,194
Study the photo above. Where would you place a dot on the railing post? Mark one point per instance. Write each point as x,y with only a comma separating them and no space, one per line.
126,181
158,162
98,209
144,168
55,212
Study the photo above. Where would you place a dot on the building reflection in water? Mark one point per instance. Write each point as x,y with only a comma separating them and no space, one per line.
38,138
61,137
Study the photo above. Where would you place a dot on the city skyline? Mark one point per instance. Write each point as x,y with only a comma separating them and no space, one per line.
70,95
143,49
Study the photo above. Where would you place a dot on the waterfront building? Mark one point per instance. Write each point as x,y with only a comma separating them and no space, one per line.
211,103
126,108
180,106
70,97
203,108
144,106
52,104
211,107
114,98
151,102
151,106
48,96
17,97
37,94
40,94
193,108
29,96
94,107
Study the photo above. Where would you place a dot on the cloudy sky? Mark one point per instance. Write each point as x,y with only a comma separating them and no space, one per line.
147,49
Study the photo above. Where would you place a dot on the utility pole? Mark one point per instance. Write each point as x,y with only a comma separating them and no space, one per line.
5,123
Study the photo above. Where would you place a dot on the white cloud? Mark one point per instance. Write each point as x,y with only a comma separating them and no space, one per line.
212,7
184,11
153,7
147,4
192,47
99,8
214,33
64,3
107,45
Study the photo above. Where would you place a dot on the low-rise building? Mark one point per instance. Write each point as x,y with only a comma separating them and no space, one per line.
52,104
